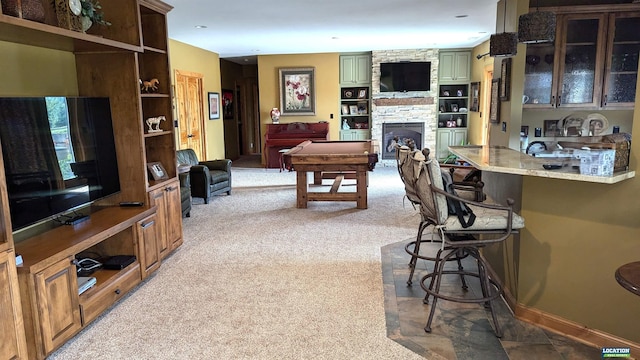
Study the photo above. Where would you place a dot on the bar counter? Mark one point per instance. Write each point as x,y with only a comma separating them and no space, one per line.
505,160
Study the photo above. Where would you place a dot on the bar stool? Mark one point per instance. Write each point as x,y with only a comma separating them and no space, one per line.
280,158
493,223
408,171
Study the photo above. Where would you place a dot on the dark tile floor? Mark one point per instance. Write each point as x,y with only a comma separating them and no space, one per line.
462,331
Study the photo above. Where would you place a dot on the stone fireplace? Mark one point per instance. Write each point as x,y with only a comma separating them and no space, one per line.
417,109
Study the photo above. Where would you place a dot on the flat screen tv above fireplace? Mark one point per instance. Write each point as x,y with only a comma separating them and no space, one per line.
405,76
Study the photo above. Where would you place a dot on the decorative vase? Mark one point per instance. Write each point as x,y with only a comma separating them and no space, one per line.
459,121
275,115
86,23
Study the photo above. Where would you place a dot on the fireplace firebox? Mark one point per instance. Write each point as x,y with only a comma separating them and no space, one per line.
403,132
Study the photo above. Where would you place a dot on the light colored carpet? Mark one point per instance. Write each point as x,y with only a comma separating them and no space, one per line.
258,278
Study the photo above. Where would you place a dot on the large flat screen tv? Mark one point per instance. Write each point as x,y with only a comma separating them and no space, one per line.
59,154
405,76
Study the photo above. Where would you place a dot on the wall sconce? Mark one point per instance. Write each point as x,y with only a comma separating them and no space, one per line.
504,43
537,27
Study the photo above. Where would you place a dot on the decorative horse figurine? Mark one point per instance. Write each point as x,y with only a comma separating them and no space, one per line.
150,86
154,123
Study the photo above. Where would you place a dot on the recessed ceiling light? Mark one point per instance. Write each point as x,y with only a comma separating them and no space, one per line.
461,16
334,38
201,26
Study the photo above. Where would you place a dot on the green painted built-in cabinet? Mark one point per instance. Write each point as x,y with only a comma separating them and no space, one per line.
454,67
355,96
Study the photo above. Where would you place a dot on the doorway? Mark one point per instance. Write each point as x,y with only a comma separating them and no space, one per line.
190,112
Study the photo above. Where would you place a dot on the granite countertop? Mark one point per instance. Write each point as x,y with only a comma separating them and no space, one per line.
505,160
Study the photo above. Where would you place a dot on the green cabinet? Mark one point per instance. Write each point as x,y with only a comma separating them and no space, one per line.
355,69
350,135
449,137
454,67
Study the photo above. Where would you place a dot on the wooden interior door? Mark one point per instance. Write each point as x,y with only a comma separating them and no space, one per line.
190,112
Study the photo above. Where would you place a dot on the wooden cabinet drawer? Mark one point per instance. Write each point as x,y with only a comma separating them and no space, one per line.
105,296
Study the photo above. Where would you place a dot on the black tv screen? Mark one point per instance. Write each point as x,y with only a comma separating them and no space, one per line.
59,154
405,76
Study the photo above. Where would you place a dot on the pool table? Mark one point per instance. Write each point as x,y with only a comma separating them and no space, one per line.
332,159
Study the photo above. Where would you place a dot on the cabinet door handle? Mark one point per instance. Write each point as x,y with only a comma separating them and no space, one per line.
169,188
190,135
605,100
559,100
144,226
117,291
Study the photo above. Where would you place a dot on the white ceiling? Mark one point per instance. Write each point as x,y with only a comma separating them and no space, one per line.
246,28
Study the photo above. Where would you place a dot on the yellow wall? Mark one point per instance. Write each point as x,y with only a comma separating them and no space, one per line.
327,92
22,73
189,58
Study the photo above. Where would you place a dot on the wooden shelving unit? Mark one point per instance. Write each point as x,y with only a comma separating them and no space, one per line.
117,57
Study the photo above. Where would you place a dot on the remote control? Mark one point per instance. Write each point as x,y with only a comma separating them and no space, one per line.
131,203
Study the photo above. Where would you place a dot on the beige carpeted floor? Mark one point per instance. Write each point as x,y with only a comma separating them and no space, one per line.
258,278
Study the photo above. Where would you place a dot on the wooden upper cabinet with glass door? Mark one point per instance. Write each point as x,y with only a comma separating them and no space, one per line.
584,68
622,56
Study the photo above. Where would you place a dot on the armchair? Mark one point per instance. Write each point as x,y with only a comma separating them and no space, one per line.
207,178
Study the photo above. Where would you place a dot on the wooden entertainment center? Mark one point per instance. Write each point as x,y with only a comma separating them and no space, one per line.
40,308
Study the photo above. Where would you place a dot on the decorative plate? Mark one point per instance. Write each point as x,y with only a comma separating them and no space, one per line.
348,94
536,147
595,124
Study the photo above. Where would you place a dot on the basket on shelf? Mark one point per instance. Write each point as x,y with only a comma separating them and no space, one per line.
25,9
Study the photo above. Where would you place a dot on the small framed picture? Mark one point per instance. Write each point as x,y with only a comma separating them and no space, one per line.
362,94
443,108
475,97
505,79
348,93
494,106
157,171
353,109
454,107
345,109
214,106
551,128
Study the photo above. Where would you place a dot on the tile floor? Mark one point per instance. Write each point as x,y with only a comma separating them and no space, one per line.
462,331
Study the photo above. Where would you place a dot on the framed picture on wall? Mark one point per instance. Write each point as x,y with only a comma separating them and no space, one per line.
214,105
297,91
505,79
227,104
475,97
494,110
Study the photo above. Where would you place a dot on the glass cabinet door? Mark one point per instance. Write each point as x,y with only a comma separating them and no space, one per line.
622,55
538,76
581,68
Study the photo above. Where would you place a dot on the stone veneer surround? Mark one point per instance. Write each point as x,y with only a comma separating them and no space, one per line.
400,107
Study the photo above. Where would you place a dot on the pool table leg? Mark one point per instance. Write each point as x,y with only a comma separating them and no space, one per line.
361,189
301,189
317,178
